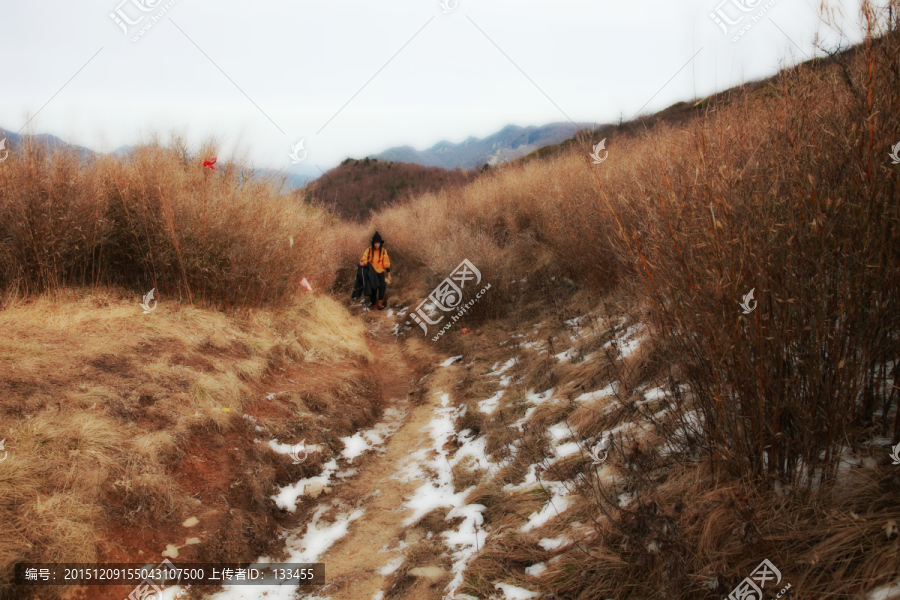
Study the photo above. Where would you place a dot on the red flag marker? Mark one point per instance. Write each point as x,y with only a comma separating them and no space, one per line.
210,163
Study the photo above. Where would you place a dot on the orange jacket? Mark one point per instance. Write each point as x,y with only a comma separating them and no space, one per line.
380,261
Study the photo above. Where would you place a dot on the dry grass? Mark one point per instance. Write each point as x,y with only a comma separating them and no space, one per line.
117,423
774,190
157,219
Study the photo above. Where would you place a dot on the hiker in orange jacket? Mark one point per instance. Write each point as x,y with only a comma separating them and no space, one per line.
377,256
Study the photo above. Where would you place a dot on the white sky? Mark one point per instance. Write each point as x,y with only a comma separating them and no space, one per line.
299,63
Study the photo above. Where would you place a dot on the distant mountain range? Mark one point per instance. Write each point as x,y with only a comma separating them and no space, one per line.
51,141
508,144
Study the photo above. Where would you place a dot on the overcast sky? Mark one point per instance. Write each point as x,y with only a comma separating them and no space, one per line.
354,77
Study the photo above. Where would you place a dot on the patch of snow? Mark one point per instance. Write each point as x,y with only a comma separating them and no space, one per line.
889,591
553,543
560,431
306,548
621,341
287,496
539,397
319,537
451,360
609,390
575,322
490,405
567,355
361,441
506,366
536,569
392,565
567,449
555,507
511,592
289,448
438,490
655,394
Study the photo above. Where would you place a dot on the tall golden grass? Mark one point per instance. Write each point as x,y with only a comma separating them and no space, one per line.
787,190
156,218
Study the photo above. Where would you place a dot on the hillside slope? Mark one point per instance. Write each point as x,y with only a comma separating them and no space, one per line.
356,189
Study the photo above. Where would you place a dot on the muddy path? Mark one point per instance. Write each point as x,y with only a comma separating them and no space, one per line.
354,563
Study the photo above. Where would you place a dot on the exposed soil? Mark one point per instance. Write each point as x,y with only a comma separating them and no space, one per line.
352,564
237,521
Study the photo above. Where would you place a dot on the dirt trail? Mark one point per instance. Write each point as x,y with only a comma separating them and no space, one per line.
352,564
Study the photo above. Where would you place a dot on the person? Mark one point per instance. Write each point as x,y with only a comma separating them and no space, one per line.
376,256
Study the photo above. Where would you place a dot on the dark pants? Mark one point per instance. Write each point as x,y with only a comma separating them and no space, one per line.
382,288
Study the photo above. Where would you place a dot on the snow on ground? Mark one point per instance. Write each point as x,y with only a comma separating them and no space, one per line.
451,360
438,491
307,547
566,355
301,548
490,405
608,391
629,340
392,565
556,543
560,431
289,448
889,591
558,503
512,592
374,438
506,366
287,496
